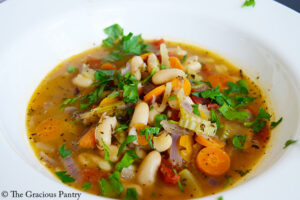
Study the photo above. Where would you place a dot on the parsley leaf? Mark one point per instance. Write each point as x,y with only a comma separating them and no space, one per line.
114,56
126,160
151,107
71,69
172,98
131,94
259,123
86,186
179,182
289,142
113,187
163,66
249,3
202,82
114,94
214,118
240,87
129,139
122,127
131,194
228,182
64,152
104,75
68,101
243,101
150,76
148,132
274,124
238,141
196,109
183,59
158,119
232,114
215,94
106,150
113,32
64,177
220,198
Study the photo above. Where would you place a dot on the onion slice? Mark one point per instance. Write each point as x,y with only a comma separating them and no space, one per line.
175,156
174,129
167,94
71,167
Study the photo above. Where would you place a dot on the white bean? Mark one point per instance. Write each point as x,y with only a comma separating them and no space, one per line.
85,78
104,130
162,142
128,173
152,114
140,152
166,75
91,160
148,169
113,153
152,63
136,64
141,114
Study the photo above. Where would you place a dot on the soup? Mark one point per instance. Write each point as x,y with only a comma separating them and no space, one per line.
155,119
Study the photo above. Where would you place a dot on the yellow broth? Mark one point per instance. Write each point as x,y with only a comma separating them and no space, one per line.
46,104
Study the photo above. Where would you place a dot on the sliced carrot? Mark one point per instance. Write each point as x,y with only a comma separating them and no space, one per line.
209,141
49,129
87,141
220,79
184,83
107,100
155,92
213,161
94,63
108,66
145,56
141,140
175,63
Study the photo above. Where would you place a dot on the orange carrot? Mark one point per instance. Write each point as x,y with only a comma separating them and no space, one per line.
220,79
87,141
141,140
209,141
49,129
155,92
184,83
107,100
108,66
94,63
175,63
213,161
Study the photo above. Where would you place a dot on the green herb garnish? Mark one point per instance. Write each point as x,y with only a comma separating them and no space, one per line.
71,69
128,140
196,109
150,76
64,177
289,142
106,150
172,98
274,124
179,182
148,132
111,187
121,127
158,119
86,186
249,3
259,123
238,141
114,94
131,194
202,82
232,114
183,59
163,66
64,152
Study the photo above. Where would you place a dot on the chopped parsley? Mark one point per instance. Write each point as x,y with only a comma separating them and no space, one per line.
148,132
274,124
196,109
121,127
232,114
260,121
64,152
151,107
71,69
131,94
158,119
111,187
202,82
86,186
128,140
114,94
228,182
242,101
106,150
163,66
220,198
240,87
289,142
179,182
68,101
172,121
131,194
172,98
249,3
126,160
150,76
183,59
214,118
238,141
64,177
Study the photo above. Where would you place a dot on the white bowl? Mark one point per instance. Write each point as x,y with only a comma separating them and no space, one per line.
263,41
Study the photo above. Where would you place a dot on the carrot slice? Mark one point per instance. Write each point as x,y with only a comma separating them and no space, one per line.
108,66
87,141
94,63
209,141
141,140
184,83
49,129
107,100
175,63
213,161
220,79
155,92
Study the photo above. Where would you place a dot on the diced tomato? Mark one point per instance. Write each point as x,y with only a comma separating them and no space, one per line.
212,106
92,175
207,69
263,135
200,100
156,44
94,63
167,173
175,115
